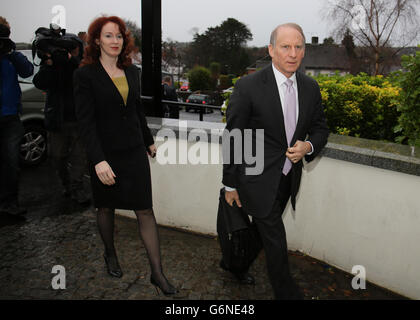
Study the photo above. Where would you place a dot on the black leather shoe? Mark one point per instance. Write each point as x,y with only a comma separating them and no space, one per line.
243,277
113,266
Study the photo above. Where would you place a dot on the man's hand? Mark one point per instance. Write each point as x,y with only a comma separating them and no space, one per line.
231,196
49,61
105,173
298,151
151,150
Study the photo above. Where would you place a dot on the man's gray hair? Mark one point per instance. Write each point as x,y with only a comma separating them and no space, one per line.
295,26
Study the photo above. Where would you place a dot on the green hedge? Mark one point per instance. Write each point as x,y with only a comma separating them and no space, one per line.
373,107
361,106
409,120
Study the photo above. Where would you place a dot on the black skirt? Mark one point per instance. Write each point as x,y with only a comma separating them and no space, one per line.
132,189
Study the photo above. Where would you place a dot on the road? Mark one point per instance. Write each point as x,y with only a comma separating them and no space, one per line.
194,115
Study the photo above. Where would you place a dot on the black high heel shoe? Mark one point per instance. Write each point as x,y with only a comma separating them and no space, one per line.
170,292
114,270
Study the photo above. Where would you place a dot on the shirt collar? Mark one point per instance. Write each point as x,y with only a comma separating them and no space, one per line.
281,78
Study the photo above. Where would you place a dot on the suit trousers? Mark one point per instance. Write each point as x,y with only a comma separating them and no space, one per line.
273,235
11,133
66,148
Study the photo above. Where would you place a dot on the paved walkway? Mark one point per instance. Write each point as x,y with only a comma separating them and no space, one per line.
57,232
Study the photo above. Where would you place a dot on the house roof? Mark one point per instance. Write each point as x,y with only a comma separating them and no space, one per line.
330,57
326,57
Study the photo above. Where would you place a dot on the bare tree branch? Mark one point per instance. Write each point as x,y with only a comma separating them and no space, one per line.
384,22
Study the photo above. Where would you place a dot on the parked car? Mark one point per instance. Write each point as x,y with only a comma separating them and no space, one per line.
230,90
202,99
185,86
33,148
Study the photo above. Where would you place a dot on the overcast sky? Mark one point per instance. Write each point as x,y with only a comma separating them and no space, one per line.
179,17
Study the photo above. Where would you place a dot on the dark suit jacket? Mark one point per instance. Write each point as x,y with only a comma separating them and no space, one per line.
106,124
57,80
255,104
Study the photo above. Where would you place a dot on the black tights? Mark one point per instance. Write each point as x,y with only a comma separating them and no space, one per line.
148,233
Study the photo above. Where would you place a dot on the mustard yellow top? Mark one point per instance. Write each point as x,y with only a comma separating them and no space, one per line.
122,86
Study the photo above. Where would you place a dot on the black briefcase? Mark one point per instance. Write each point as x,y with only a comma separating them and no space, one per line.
238,237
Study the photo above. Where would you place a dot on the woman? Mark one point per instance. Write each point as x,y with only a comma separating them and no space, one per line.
114,129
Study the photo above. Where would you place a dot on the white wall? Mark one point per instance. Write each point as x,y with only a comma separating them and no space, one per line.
347,214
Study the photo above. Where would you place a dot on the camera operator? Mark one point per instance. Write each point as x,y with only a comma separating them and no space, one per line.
12,64
56,78
169,93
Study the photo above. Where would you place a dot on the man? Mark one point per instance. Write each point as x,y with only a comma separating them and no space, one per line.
12,64
169,93
287,105
56,77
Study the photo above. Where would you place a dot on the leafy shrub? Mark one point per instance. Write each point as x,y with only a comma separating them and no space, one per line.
225,81
362,106
226,96
199,79
409,120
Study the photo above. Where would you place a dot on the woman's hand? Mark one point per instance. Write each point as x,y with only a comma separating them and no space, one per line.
151,150
105,173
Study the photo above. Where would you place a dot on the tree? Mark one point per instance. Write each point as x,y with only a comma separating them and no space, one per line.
214,73
329,41
135,31
376,24
225,82
199,79
348,43
224,44
169,53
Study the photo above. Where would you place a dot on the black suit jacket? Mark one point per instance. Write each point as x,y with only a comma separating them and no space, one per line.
106,124
255,104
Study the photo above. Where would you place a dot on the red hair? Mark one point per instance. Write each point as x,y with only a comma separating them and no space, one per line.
93,51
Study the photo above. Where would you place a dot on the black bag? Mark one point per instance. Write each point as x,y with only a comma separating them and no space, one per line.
239,239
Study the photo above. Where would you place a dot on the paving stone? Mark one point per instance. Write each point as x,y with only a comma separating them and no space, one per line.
194,296
56,233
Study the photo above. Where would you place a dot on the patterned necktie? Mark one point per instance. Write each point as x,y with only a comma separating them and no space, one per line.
289,118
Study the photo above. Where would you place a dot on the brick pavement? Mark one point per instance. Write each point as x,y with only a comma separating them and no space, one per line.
57,232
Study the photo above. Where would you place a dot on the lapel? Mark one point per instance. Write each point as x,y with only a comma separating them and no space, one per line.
302,107
274,102
131,80
105,79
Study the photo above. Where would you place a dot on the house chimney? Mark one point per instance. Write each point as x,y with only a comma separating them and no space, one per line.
314,40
